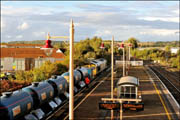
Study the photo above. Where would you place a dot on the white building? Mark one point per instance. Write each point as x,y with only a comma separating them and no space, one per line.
174,50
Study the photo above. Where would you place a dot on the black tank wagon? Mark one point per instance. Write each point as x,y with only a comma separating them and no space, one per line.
15,104
40,99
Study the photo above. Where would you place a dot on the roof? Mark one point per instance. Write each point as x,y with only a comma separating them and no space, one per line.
28,53
40,45
128,80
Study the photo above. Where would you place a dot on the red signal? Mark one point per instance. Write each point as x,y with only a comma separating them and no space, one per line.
102,45
122,45
48,44
130,45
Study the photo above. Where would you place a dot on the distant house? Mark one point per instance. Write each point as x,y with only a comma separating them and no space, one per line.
27,58
174,50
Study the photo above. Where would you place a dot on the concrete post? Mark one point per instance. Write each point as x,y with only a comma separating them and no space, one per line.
112,72
123,62
71,70
129,53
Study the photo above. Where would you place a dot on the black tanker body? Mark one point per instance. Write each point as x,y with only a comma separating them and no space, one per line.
14,105
77,80
42,93
38,100
86,74
77,77
61,89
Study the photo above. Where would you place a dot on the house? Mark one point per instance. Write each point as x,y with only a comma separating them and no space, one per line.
27,58
6,45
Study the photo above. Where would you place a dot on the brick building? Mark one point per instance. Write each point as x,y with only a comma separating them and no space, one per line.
26,57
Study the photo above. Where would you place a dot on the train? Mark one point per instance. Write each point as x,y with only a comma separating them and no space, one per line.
37,101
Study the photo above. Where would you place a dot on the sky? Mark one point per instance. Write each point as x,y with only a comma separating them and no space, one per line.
144,20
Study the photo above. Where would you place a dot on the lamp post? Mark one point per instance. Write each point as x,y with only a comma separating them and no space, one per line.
71,66
112,72
122,46
102,47
130,45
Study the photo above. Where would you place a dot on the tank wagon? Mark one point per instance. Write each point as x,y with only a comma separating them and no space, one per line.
77,80
86,74
15,104
37,101
42,94
128,89
61,88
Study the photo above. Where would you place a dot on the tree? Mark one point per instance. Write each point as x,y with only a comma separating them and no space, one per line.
167,52
168,49
133,41
20,75
60,68
45,71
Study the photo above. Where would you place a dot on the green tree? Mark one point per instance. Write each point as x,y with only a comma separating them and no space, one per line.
133,41
168,49
45,71
20,75
60,68
167,52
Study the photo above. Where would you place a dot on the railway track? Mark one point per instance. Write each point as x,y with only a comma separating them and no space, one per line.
171,86
62,112
174,76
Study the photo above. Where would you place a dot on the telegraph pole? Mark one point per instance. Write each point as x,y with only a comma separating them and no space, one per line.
129,53
112,72
71,67
123,60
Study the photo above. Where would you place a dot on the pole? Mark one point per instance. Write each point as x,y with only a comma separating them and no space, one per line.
129,53
71,67
112,72
120,111
123,62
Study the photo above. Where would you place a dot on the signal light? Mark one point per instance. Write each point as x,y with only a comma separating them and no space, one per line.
102,45
48,44
122,45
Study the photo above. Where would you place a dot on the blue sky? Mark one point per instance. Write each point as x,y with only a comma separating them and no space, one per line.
146,21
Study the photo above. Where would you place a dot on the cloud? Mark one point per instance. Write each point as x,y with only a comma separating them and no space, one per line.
28,10
19,36
23,26
177,32
160,32
168,19
176,11
39,34
121,19
8,36
103,33
98,7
